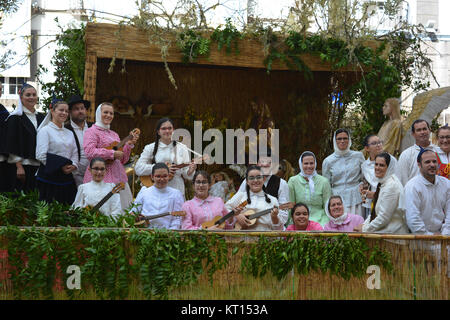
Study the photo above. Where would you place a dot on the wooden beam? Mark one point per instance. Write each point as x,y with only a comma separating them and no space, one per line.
108,41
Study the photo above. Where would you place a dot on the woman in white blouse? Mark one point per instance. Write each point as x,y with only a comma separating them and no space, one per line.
258,200
343,169
56,149
387,214
91,193
165,150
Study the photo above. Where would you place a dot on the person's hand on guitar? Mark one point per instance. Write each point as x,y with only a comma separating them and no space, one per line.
241,218
274,215
68,168
135,135
118,155
192,168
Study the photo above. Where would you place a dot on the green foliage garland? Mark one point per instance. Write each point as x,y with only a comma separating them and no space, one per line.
227,37
339,255
111,259
192,45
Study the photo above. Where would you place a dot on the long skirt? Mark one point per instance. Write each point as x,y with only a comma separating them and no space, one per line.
11,183
56,187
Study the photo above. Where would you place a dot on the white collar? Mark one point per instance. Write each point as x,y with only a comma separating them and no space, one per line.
75,126
25,110
53,125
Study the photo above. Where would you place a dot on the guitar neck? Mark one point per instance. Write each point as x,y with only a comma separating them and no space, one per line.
259,214
156,216
122,143
225,218
102,202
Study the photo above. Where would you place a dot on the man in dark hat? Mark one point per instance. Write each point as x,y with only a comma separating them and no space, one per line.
78,125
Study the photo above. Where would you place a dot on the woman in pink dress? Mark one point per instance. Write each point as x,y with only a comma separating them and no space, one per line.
95,141
340,220
300,216
203,207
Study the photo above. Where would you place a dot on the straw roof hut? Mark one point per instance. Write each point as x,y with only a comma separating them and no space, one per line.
224,83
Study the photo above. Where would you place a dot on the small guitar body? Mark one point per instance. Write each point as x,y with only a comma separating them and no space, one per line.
220,221
253,216
118,146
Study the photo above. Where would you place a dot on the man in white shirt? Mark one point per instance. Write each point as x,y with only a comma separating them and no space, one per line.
407,167
427,198
159,199
78,125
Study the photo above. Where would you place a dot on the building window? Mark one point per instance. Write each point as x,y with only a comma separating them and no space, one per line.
15,84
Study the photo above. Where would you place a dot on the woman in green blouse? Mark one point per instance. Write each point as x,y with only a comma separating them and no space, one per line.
310,188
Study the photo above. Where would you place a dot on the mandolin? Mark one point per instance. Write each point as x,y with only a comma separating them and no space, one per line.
253,216
219,220
145,219
118,146
148,182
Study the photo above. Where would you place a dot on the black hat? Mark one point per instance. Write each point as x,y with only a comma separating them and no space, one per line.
76,99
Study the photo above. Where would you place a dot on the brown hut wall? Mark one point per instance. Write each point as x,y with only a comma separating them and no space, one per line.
298,106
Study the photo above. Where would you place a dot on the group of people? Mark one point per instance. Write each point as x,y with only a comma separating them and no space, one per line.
75,162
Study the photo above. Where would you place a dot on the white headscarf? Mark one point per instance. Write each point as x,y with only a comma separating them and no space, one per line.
339,220
98,118
336,148
46,121
390,172
19,110
308,176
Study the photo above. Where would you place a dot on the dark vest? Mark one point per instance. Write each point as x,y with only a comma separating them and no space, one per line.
69,126
273,186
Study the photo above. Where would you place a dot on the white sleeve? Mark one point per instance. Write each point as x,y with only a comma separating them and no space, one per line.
282,217
79,198
138,202
326,170
74,153
402,168
175,223
386,205
42,145
446,227
412,204
115,208
144,166
236,200
185,158
283,197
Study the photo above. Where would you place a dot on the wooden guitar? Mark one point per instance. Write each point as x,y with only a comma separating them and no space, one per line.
118,146
144,220
148,182
117,188
219,220
253,216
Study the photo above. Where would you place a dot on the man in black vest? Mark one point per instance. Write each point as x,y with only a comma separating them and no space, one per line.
274,185
78,125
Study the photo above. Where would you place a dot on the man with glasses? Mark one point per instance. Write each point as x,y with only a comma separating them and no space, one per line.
407,167
443,151
158,199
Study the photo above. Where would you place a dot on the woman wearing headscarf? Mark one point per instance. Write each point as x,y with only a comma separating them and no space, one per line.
387,214
373,146
95,142
310,188
57,151
343,169
340,220
20,144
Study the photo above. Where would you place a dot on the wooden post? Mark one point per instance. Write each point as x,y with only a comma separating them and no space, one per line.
90,82
444,269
